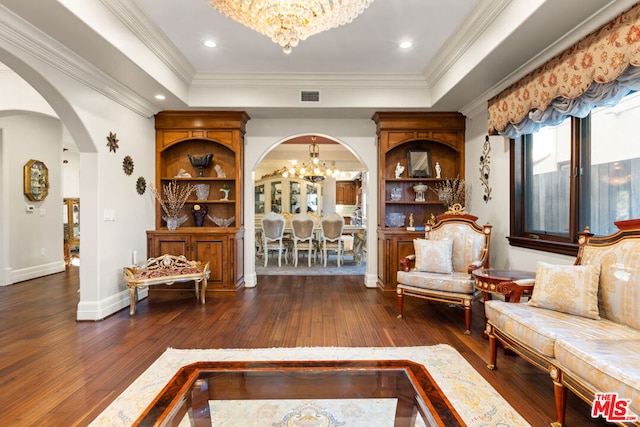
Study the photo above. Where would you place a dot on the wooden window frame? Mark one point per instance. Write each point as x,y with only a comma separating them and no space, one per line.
578,187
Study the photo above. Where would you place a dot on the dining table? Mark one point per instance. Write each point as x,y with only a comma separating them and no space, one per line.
353,245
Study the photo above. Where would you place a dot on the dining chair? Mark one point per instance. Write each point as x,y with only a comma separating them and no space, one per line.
331,227
354,245
302,226
272,236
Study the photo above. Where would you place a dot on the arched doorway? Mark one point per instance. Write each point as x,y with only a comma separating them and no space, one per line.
276,156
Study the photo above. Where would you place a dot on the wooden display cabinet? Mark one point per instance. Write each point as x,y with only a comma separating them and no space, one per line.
442,135
198,133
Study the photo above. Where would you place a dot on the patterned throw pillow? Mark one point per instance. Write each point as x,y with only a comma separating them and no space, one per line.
434,256
571,289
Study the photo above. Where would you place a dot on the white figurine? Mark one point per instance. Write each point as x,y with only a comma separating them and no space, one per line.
219,171
183,174
399,170
438,170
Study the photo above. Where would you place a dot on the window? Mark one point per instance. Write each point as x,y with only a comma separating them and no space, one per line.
581,172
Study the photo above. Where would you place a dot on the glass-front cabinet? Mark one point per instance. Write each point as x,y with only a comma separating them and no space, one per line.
287,196
294,196
313,199
276,196
259,199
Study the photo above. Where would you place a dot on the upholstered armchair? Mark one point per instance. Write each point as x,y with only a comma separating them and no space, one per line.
441,268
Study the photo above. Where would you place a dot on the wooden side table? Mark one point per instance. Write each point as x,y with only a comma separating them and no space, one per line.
492,280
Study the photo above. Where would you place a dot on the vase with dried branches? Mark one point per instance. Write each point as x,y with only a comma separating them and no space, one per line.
455,193
172,200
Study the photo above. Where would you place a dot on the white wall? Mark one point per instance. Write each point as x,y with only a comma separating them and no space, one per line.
105,246
70,174
497,210
35,240
359,136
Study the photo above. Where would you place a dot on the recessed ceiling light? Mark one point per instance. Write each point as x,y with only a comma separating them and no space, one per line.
160,97
405,44
209,43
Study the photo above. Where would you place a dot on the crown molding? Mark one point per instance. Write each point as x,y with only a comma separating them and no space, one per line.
30,41
226,80
482,16
153,37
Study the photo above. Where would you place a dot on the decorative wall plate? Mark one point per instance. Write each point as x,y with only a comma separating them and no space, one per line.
141,185
127,165
112,142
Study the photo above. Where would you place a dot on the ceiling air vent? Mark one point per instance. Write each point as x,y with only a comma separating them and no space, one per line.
309,96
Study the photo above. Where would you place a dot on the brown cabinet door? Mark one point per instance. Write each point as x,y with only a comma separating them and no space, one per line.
345,193
214,249
339,193
175,244
350,194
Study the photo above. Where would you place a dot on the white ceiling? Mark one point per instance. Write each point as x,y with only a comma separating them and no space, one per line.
366,45
464,52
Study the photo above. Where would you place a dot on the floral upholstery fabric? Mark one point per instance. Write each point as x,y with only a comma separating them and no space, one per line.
619,280
165,272
467,244
599,57
434,256
453,282
605,362
571,289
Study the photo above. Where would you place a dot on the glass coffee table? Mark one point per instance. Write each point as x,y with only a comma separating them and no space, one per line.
193,386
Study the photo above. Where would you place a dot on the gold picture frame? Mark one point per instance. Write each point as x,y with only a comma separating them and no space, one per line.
36,180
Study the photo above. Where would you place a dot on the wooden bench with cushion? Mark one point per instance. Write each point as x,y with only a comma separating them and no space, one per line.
166,270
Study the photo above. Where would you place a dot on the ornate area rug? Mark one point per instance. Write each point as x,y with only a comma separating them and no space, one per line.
473,398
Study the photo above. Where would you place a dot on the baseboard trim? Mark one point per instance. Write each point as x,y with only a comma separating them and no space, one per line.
21,274
99,310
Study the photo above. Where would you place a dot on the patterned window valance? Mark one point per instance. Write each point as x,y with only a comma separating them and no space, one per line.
595,64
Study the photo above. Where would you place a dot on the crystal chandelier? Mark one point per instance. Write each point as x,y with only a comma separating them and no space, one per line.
312,170
287,22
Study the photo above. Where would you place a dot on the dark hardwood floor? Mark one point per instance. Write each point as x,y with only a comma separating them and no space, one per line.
55,371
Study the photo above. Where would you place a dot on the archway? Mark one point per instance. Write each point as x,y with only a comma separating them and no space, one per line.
31,98
366,164
108,239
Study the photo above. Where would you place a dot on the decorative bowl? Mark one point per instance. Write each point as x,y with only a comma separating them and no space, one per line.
395,219
420,188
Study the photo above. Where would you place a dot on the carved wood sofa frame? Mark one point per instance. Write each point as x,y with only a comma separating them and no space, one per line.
166,270
618,257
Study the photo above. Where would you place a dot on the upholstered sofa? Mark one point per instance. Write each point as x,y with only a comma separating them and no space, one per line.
440,270
581,324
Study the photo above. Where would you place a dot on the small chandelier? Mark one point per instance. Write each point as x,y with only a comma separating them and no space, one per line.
312,170
287,22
